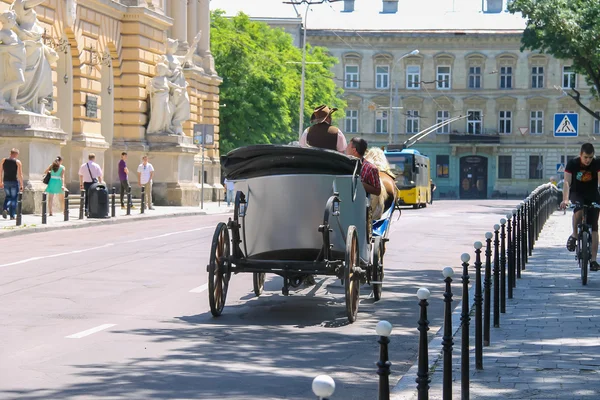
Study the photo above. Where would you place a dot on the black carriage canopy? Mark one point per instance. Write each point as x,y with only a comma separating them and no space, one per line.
267,159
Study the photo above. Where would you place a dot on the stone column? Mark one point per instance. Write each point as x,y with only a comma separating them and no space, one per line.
178,13
192,20
208,63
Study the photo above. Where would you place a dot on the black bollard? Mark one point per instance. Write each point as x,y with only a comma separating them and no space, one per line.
143,200
423,371
524,235
129,200
478,302
487,289
513,278
509,257
66,209
112,205
503,266
81,204
384,330
447,341
323,386
19,220
518,242
496,277
464,323
44,208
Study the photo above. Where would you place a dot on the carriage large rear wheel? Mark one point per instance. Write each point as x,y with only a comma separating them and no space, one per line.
219,271
258,280
377,268
351,274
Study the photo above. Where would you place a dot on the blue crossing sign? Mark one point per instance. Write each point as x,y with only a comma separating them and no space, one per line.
566,124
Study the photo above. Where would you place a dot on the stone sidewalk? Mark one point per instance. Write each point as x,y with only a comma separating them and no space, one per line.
548,343
32,223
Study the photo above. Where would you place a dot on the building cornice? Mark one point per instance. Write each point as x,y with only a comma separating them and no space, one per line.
149,17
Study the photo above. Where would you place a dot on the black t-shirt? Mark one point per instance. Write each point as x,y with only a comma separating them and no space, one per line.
584,180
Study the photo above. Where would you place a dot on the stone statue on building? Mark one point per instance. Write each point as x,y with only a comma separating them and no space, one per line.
37,71
178,95
12,62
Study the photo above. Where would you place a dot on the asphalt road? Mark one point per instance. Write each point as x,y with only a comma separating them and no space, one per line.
121,312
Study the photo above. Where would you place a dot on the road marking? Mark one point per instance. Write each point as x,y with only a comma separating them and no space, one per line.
200,289
79,335
102,247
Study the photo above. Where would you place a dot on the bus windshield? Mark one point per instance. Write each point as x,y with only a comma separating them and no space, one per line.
402,167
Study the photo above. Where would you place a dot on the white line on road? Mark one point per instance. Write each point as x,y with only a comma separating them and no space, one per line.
200,289
79,335
103,246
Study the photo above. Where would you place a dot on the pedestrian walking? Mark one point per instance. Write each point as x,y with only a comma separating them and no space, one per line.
89,173
56,186
229,187
124,179
11,179
145,174
433,187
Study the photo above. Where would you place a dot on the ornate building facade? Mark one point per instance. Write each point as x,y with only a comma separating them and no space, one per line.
106,55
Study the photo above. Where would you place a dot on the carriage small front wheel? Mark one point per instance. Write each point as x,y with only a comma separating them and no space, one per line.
219,271
258,279
377,268
351,275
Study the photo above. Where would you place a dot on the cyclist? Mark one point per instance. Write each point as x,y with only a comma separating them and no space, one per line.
581,185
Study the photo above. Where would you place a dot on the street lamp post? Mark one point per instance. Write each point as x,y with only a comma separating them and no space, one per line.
301,123
390,116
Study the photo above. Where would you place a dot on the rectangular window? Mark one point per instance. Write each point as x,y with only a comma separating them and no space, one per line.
351,121
351,77
536,122
443,77
506,77
504,167
412,121
381,122
569,158
597,123
505,122
413,77
569,78
474,77
443,115
442,166
536,167
382,76
537,77
474,122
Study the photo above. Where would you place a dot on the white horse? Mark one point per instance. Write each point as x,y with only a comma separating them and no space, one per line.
377,157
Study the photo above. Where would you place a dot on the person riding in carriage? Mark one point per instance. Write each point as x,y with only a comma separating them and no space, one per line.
322,133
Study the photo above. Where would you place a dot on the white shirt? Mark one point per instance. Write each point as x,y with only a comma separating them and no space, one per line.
341,140
229,184
145,170
85,173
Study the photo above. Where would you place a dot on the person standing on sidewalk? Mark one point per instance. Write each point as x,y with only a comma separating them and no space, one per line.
433,187
89,173
56,186
145,174
11,179
229,187
581,186
124,178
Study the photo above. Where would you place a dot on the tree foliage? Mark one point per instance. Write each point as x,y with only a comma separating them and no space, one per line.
261,74
568,30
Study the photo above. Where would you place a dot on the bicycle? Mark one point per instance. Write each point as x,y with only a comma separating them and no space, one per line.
583,252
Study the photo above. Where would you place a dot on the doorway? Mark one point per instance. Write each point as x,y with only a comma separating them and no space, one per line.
473,177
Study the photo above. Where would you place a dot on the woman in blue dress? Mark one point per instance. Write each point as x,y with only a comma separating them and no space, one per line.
56,186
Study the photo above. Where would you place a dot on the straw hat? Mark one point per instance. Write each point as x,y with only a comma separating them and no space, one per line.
321,113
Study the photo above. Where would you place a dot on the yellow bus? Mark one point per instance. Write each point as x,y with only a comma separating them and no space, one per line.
413,175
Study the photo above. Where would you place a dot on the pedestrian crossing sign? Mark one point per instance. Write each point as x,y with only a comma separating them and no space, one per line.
566,124
560,168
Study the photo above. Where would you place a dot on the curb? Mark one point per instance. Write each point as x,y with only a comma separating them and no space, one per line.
93,222
406,388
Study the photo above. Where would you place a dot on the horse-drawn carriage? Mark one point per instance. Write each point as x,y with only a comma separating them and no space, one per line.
298,212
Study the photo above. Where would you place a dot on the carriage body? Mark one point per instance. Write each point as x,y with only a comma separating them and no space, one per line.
298,212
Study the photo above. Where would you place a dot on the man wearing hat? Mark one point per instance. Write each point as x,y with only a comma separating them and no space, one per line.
322,134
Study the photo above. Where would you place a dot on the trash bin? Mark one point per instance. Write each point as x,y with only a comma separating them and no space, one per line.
98,205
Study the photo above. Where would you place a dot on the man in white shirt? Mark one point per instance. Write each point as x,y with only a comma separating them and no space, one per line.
89,173
229,187
145,174
322,134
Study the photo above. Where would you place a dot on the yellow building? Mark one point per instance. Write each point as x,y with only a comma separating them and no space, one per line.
107,52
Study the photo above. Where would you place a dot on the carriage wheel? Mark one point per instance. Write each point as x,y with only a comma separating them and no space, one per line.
258,278
377,269
219,269
351,277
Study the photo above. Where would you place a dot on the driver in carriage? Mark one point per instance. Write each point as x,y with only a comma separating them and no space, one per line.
322,133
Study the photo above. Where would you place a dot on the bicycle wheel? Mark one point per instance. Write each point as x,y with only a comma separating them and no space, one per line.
584,260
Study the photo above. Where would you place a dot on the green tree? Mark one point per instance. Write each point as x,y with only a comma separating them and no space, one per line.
568,30
261,82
